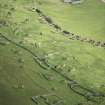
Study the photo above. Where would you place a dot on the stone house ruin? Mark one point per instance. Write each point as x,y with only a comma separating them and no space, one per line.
73,1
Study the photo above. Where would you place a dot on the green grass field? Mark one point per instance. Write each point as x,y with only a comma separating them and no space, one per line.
22,77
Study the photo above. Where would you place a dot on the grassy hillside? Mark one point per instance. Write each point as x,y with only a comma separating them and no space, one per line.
37,60
89,16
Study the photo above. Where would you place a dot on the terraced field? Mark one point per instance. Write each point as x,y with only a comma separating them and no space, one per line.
52,53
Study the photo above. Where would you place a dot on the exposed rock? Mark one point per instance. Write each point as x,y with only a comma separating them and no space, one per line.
66,32
57,27
48,20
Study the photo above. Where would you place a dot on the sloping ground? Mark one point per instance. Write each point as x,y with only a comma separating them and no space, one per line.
36,60
103,1
89,16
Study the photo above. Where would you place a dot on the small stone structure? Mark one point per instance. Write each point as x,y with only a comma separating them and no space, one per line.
73,1
67,1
